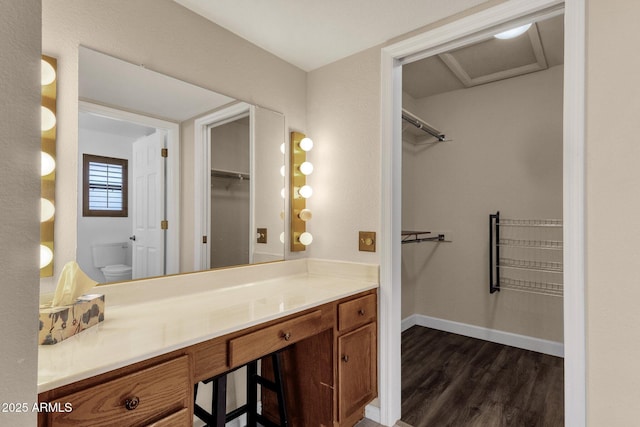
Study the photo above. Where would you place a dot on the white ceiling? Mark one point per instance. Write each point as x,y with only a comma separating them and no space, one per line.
310,34
488,60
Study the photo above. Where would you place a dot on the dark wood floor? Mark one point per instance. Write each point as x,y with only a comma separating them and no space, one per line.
451,380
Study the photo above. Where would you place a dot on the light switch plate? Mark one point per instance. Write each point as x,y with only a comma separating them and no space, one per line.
262,235
367,241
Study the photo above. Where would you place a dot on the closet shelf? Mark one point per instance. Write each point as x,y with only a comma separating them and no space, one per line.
531,274
219,173
544,288
521,264
535,244
421,236
530,222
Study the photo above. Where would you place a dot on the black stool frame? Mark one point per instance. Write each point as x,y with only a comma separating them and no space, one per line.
218,417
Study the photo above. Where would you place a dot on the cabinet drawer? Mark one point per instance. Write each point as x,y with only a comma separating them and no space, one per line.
265,341
357,312
136,399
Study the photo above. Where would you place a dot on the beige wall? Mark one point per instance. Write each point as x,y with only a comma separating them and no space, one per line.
613,101
20,198
344,122
613,213
171,40
506,155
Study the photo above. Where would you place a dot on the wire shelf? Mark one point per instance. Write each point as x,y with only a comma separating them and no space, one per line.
530,222
521,264
536,244
544,288
529,269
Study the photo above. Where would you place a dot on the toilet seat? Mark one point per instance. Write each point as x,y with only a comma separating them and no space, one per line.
116,269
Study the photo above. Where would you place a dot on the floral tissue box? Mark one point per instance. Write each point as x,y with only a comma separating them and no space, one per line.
60,323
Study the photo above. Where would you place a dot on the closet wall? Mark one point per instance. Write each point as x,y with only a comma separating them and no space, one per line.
230,206
506,155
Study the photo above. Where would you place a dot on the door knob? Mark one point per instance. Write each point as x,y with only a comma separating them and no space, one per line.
133,238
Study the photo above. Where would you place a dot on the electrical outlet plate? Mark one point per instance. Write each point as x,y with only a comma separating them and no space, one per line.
367,241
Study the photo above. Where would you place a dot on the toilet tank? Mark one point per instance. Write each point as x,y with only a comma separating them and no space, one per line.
104,254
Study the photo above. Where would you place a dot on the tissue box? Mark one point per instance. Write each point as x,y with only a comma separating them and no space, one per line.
60,323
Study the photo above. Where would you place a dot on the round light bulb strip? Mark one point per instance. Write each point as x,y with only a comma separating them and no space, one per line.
47,162
299,191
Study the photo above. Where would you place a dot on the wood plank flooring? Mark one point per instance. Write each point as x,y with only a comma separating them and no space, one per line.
452,380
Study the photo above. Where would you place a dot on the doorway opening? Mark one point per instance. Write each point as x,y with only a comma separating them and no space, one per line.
447,38
493,143
142,240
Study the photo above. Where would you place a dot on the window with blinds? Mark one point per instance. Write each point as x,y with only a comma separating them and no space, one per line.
104,187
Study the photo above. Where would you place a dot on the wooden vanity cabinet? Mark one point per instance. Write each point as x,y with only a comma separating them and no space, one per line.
157,395
356,357
330,373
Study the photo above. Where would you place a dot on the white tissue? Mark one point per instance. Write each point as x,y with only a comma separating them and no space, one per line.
72,283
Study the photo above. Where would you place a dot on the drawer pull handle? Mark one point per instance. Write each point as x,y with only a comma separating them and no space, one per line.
345,358
286,336
132,403
361,312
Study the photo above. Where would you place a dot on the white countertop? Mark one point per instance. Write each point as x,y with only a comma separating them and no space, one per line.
199,308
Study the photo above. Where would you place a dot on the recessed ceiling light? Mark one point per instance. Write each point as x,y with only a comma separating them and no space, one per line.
512,33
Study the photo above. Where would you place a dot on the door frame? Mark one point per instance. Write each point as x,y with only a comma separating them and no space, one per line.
202,178
172,174
447,37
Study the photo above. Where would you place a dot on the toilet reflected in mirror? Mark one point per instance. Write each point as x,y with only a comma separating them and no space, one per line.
113,260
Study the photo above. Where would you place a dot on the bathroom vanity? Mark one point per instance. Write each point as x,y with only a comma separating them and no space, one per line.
140,365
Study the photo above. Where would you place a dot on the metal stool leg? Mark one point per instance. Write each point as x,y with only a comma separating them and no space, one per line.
252,393
218,403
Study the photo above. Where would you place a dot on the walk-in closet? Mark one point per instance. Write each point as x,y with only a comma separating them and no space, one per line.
482,250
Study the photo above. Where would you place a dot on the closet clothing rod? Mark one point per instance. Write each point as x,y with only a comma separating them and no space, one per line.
421,124
228,174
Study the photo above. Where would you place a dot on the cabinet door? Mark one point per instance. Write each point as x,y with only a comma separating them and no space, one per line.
356,370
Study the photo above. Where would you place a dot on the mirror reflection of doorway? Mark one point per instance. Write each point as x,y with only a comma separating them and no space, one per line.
133,245
230,192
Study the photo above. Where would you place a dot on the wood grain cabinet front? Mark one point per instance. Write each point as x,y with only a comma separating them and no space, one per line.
157,396
357,372
357,312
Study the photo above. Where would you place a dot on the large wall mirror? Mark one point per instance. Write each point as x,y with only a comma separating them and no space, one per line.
172,178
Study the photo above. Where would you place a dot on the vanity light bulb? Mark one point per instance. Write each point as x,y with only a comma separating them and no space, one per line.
282,148
305,191
46,256
46,210
47,119
282,193
306,144
282,237
47,73
305,215
282,170
306,238
306,168
47,164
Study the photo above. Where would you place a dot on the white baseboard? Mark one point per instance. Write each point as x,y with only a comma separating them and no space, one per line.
552,348
372,412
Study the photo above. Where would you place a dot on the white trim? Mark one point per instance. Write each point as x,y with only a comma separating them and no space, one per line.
172,243
202,177
574,256
525,342
437,41
372,413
